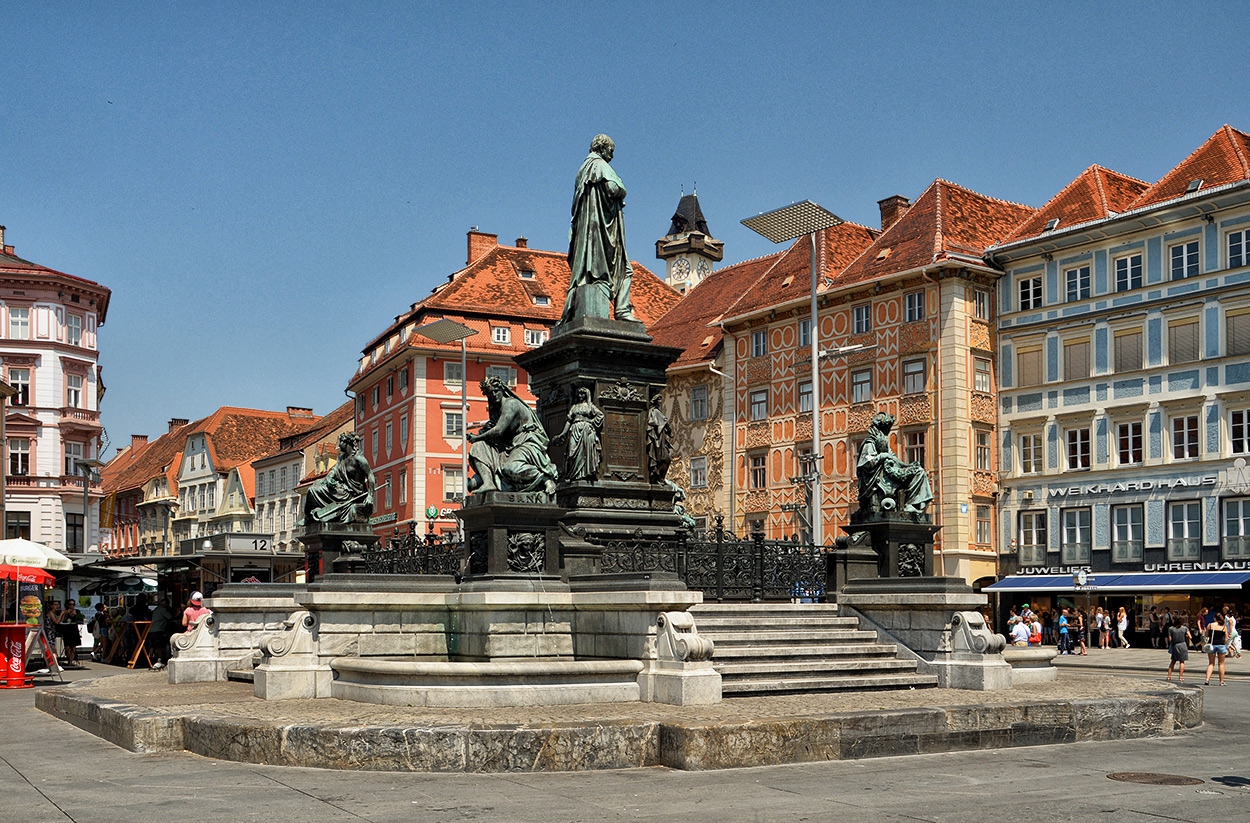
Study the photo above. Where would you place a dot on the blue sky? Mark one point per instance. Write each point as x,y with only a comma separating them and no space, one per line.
265,186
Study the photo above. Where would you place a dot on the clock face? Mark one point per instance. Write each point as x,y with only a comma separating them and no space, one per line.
705,268
681,268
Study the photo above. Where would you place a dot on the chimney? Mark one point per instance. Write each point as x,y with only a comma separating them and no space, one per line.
892,209
479,243
138,441
1,237
299,413
522,243
177,423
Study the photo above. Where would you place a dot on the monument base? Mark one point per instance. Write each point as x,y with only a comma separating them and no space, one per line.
903,543
511,533
336,548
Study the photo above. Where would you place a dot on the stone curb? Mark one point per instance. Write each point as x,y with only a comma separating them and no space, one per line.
459,747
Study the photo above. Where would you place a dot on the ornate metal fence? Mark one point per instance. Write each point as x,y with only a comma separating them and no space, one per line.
726,567
413,553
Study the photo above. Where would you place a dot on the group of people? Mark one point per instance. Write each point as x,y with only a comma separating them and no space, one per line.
1216,632
114,629
1069,629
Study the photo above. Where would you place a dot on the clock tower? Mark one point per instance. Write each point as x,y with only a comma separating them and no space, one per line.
688,250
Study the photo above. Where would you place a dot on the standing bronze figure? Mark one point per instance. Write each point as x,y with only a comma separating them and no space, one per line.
581,431
659,440
600,272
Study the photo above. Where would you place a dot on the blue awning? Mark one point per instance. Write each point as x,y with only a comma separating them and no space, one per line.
1131,582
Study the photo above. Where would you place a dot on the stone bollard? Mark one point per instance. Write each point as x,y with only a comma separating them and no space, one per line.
681,673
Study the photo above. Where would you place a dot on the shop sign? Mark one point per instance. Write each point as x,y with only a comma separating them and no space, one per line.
1031,570
1213,566
435,513
1134,486
383,518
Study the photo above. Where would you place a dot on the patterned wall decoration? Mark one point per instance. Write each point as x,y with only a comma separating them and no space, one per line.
698,438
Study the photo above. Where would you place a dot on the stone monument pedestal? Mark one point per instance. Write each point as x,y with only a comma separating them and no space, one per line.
334,548
511,533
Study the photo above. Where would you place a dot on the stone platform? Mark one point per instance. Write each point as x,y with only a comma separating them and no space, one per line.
142,712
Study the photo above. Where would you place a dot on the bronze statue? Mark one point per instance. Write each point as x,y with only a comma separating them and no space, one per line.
885,482
510,453
346,493
659,440
600,272
581,431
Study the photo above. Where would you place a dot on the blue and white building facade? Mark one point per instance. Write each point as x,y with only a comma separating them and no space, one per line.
1124,401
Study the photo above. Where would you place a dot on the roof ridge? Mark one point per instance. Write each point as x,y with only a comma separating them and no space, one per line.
984,196
1101,167
1238,149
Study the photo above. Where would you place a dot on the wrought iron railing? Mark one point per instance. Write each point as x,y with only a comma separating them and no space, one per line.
413,553
724,566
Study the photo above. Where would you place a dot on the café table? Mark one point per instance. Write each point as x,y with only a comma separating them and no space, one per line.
141,629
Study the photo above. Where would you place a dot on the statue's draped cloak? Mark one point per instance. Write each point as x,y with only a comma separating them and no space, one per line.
596,239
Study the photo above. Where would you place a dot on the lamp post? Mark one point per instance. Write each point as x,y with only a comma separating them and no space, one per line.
87,467
449,331
780,226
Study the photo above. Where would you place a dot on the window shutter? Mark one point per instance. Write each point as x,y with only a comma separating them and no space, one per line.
1030,367
1182,343
1238,331
1128,351
1076,360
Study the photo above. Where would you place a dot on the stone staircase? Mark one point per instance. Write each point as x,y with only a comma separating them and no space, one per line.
771,648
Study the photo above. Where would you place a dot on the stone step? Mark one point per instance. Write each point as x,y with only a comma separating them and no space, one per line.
764,608
843,651
814,668
706,624
864,683
795,636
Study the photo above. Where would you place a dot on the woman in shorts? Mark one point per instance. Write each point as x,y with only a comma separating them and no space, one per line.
1216,636
1178,645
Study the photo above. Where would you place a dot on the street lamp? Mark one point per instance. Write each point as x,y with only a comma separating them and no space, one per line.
87,467
449,331
780,226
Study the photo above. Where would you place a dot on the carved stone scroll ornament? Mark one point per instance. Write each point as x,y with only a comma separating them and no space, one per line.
296,636
526,552
679,639
969,634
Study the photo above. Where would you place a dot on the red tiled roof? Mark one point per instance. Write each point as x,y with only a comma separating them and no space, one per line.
947,220
236,436
132,468
791,277
1096,193
1223,158
694,324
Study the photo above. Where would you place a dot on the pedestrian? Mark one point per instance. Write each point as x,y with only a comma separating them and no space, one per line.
1121,625
159,633
1098,624
1156,628
1234,633
194,612
1081,638
71,635
1178,646
1048,627
1065,637
1035,631
1020,633
100,625
1216,646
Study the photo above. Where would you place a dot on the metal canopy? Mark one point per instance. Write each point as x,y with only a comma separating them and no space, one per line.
445,331
1135,582
794,220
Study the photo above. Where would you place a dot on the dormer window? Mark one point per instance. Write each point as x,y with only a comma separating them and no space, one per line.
527,274
501,335
542,300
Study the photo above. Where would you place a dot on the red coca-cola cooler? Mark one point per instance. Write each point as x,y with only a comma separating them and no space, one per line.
13,656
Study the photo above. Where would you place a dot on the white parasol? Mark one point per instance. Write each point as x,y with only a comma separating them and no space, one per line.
19,552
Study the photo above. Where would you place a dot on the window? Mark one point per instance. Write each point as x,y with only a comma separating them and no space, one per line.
1183,342
1030,367
501,335
505,373
1237,527
1237,333
862,321
1030,293
377,396
698,402
1128,273
453,373
403,433
403,486
913,447
542,300
1126,536
373,453
73,533
536,337
983,456
1078,448
982,299
1032,538
759,404
19,457
73,391
19,324
805,396
1239,428
698,472
981,375
914,302
861,386
73,453
1184,259
1076,535
1238,248
1185,437
386,484
1184,530
390,386
73,329
453,483
759,343
759,471
1030,453
527,274
1076,360
805,332
913,376
1129,440
17,525
1077,281
403,379
389,440
983,525
19,379
453,424
1128,351
282,482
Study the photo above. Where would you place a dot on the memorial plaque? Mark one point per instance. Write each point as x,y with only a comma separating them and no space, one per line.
622,440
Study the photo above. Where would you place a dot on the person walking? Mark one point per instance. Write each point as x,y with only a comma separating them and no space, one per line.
71,635
1178,646
1234,633
1121,625
159,633
1216,646
1065,636
1082,637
